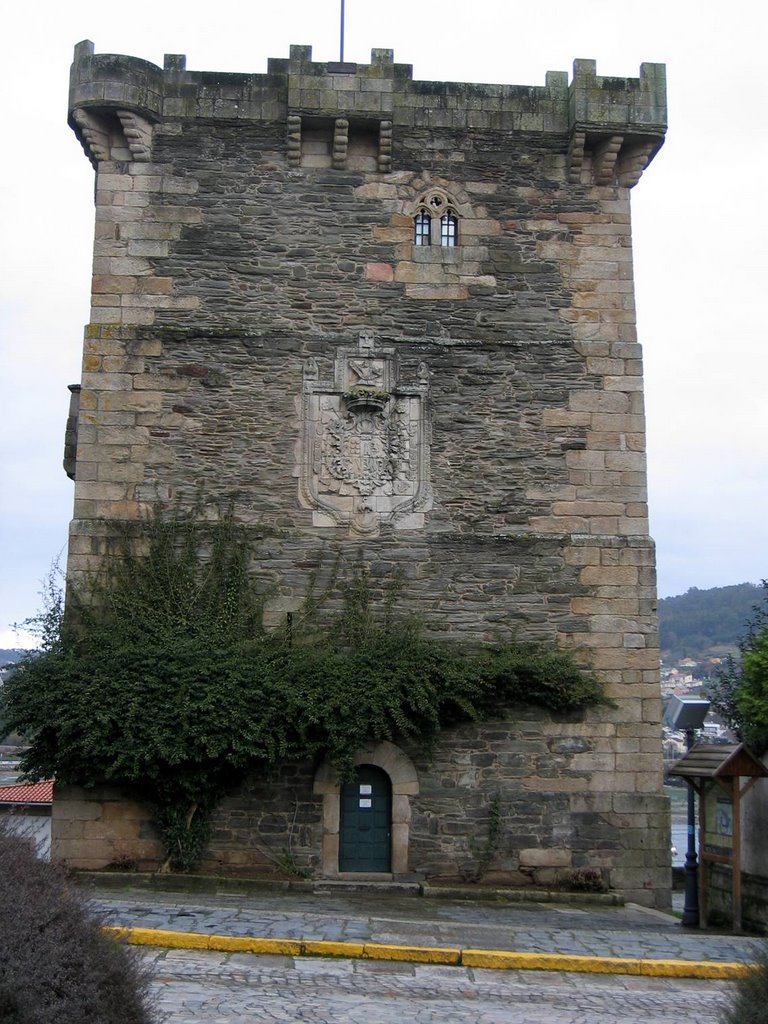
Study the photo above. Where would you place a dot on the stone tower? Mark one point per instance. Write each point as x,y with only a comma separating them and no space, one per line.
392,319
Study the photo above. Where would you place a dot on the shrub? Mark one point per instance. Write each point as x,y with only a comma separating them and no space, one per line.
583,880
749,999
56,965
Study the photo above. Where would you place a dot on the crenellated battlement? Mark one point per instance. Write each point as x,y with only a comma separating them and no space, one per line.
618,123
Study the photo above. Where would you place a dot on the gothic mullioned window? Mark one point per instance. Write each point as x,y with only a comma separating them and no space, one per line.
436,222
449,229
422,228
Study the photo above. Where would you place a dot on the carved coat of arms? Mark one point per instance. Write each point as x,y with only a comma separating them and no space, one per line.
363,458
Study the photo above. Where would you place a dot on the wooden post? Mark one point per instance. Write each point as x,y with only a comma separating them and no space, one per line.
703,880
736,852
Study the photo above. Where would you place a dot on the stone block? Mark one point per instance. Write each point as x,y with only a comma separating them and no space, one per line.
590,761
587,508
147,182
606,576
147,247
123,435
626,424
128,266
436,292
115,183
379,272
401,809
625,461
613,782
175,185
537,784
132,401
109,315
331,812
545,858
67,829
109,284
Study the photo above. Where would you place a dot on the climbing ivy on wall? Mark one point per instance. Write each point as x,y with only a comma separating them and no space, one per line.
161,678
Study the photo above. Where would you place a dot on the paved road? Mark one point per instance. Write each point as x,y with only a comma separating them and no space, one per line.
214,988
530,927
220,988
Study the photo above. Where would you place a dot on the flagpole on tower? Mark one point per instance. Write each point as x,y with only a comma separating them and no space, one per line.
341,38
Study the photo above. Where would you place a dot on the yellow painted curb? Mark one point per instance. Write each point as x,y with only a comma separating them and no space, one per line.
501,959
326,947
196,940
160,937
715,969
251,944
498,959
412,954
508,960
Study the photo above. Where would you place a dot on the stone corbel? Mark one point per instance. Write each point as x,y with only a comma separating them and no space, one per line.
632,162
93,135
340,143
604,159
293,141
576,156
385,146
70,434
138,135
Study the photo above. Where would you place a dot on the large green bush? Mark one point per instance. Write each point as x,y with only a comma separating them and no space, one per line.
161,678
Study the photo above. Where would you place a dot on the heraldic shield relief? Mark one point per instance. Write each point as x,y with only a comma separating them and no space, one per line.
364,451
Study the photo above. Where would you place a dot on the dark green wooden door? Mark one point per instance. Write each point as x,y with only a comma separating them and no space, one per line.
365,838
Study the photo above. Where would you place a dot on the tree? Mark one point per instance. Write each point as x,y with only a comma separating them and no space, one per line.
740,692
162,680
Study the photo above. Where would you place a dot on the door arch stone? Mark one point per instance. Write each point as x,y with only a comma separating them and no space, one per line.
405,784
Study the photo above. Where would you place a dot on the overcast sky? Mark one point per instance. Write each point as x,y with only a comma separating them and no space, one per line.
699,224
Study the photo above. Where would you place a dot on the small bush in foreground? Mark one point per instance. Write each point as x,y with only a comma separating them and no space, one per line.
583,880
56,965
749,1000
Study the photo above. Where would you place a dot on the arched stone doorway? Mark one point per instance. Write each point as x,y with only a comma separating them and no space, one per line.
404,784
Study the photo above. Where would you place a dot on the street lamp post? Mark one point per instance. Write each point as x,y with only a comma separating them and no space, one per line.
688,714
691,904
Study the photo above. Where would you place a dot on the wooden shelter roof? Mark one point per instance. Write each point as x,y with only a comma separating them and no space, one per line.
718,760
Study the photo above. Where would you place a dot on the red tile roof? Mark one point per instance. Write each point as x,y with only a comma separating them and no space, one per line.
28,793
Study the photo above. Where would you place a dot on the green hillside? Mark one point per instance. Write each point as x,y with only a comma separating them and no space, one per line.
10,654
691,624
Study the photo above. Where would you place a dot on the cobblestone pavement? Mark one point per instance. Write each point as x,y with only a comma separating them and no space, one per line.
214,988
543,928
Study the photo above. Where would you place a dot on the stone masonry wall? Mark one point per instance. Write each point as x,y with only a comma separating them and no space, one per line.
254,240
554,780
559,812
